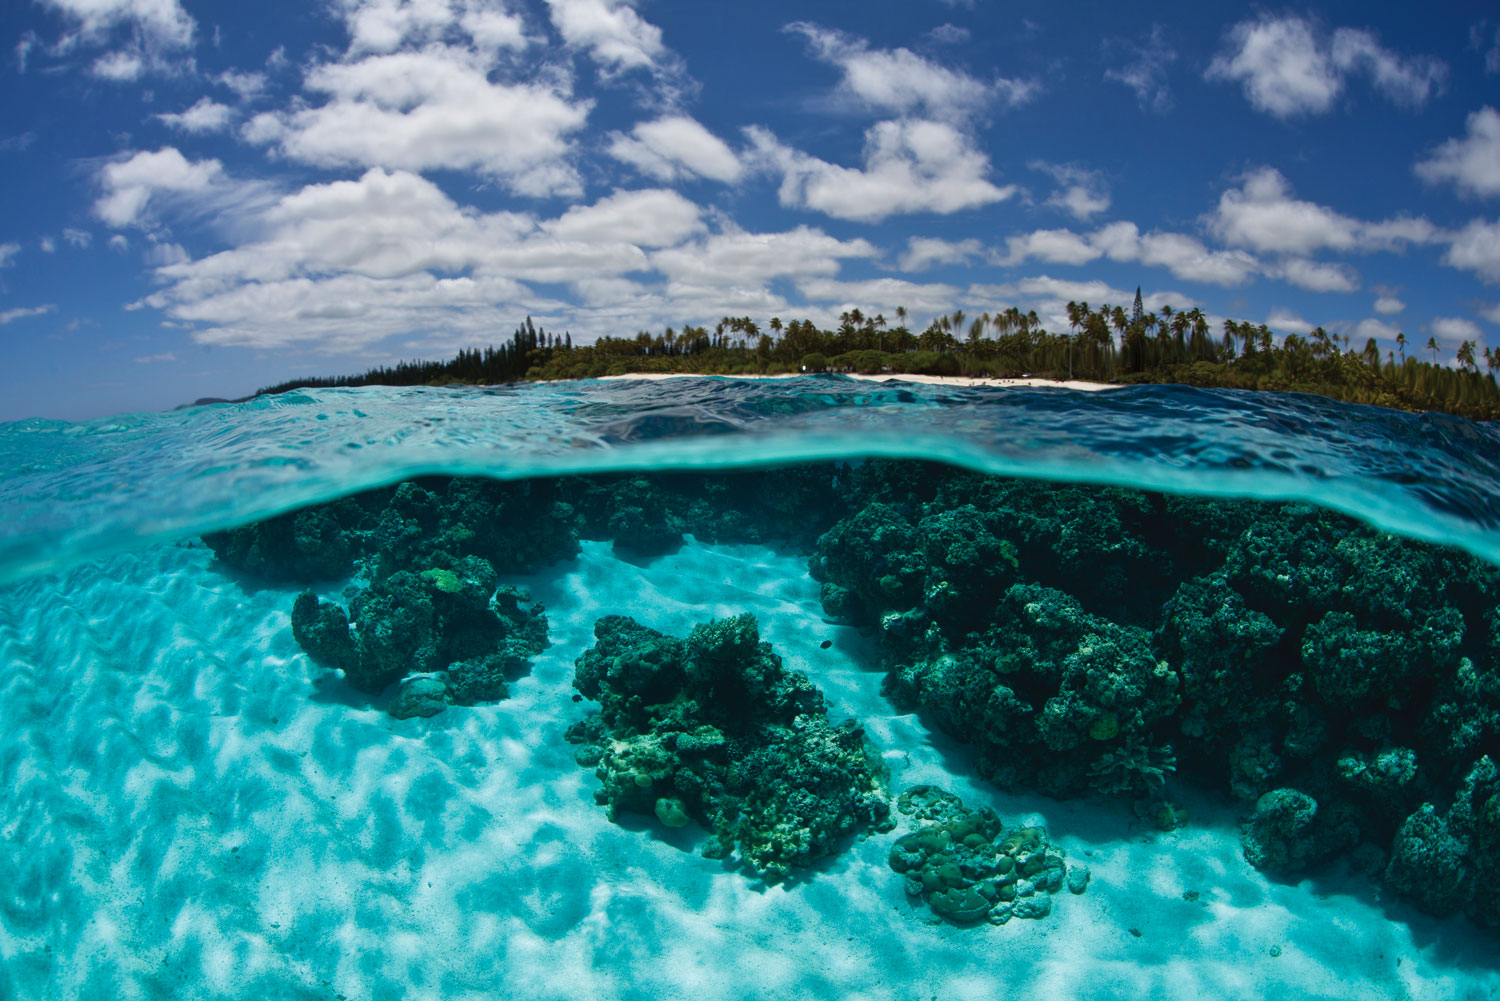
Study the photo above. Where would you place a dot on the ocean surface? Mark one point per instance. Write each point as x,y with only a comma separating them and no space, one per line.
193,806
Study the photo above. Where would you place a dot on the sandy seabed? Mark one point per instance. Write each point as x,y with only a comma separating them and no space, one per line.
189,808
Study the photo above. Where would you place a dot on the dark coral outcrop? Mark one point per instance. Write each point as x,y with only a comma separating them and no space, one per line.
713,728
450,624
1342,682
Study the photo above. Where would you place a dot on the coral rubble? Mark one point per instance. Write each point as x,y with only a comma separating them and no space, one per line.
969,867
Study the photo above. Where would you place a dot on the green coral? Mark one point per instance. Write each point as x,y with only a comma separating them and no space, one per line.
444,580
713,728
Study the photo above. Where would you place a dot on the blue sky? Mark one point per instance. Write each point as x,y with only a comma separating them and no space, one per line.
203,198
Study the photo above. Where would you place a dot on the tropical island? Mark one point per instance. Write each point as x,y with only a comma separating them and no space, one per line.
1107,344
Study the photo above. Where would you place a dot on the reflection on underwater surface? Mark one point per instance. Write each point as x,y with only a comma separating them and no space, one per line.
585,737
74,492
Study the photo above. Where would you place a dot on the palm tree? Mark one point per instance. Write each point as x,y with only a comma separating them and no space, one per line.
1202,347
1432,345
1401,345
1466,355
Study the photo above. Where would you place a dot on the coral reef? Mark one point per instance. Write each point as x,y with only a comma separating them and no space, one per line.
969,867
712,728
451,625
1054,698
1340,681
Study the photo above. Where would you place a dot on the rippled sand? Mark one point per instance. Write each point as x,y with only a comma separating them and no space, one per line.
190,808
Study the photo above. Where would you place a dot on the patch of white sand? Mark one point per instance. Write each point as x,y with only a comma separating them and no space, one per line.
189,808
927,380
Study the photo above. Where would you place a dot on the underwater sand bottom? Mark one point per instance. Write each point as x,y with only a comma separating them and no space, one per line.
189,808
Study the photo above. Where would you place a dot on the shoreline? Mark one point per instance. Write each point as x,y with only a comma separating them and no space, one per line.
926,380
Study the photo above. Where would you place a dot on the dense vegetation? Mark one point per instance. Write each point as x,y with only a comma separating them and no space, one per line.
1107,344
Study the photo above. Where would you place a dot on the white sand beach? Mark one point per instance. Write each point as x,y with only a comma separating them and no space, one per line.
192,809
927,380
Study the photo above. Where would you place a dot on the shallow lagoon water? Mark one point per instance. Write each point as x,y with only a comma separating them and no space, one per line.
193,808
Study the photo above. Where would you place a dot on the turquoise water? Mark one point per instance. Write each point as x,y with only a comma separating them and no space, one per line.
79,491
192,805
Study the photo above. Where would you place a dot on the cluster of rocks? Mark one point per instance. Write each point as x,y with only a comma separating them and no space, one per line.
969,867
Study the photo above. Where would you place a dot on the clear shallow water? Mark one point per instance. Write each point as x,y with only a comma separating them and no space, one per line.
191,807
80,491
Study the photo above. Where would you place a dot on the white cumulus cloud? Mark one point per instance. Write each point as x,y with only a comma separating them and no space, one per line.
1476,248
141,36
245,85
654,218
432,109
1263,216
674,147
923,252
611,31
206,115
1369,328
909,166
1184,256
1454,330
160,22
128,186
1319,276
1285,319
1472,164
1187,258
382,26
1081,193
898,81
1056,246
1287,68
345,265
748,259
1408,82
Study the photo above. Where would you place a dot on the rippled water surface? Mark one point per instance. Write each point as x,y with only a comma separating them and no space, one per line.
74,491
